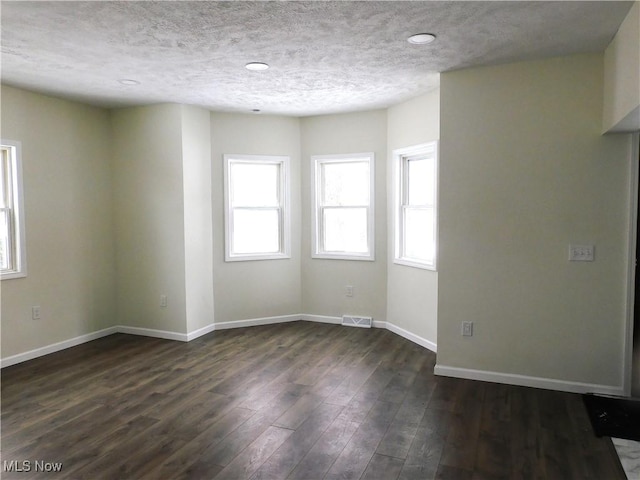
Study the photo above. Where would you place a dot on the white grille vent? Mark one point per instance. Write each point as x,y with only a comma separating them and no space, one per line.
352,321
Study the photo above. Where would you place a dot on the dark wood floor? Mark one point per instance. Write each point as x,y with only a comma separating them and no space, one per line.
297,400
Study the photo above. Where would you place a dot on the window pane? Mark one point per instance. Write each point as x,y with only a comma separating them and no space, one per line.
4,177
421,181
254,185
5,252
419,234
345,230
345,183
255,231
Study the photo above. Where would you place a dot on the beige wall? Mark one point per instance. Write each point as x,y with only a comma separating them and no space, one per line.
198,229
149,211
622,76
412,293
69,222
114,218
324,280
261,288
524,172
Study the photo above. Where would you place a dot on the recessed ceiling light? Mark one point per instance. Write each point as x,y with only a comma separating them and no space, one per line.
421,38
128,81
256,66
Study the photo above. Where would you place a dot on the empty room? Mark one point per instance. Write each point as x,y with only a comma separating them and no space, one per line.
320,240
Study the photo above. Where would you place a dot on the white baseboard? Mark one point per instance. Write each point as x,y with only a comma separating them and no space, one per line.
187,337
201,331
56,347
423,342
321,319
151,332
443,370
526,381
254,322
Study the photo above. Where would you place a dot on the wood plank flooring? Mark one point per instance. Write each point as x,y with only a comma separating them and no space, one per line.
292,401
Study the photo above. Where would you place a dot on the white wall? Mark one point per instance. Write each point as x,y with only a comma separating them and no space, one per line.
524,172
149,211
324,280
412,293
622,76
69,222
262,288
198,229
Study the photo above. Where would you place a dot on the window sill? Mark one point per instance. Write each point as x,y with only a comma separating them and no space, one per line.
249,258
13,275
335,256
415,264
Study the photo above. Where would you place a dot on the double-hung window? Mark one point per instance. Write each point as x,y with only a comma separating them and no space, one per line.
256,207
12,244
415,212
343,206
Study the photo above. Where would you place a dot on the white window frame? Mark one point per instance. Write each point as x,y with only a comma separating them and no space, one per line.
400,159
283,207
317,247
13,205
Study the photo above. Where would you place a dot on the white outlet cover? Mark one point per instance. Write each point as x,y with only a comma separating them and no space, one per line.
581,253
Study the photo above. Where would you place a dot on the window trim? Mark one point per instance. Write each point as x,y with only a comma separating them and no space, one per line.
316,189
400,180
284,207
18,222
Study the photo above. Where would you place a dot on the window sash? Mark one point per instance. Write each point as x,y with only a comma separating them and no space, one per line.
238,240
342,198
12,239
5,177
416,245
349,238
322,239
241,207
272,195
408,181
7,246
427,241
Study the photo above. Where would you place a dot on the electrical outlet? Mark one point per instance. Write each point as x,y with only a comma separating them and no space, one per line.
163,301
348,291
35,312
581,253
467,329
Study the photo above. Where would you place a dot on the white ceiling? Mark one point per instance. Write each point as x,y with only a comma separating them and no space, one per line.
325,57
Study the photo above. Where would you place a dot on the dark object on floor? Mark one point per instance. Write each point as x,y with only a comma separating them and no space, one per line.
614,417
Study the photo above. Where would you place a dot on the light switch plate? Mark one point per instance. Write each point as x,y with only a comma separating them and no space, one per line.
467,329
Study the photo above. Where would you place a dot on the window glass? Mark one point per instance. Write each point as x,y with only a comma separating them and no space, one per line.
345,183
419,236
343,210
256,231
255,185
256,207
415,209
421,185
12,244
345,230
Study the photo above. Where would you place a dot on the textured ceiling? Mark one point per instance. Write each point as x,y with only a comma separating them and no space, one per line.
325,57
